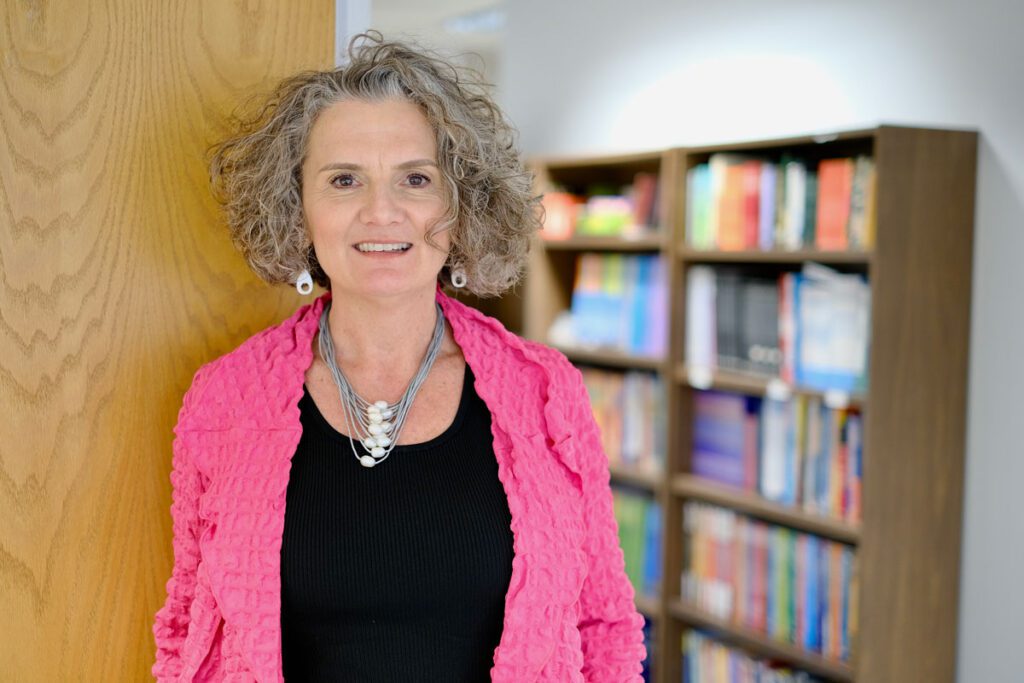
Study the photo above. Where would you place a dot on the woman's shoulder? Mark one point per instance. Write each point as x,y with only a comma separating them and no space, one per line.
258,365
486,335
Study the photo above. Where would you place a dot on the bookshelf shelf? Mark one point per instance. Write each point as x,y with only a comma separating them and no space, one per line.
907,546
610,358
758,385
691,486
633,477
624,244
760,644
690,255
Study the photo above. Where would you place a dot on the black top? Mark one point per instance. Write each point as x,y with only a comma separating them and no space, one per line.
397,572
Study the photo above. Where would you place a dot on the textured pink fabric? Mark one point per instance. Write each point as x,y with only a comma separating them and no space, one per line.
569,611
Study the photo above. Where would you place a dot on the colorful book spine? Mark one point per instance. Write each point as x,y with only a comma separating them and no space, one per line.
797,451
638,517
742,202
809,328
795,587
619,302
629,409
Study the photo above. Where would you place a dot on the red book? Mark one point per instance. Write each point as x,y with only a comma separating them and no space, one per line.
835,183
759,580
751,202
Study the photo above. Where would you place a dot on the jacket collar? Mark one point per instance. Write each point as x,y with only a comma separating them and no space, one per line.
509,377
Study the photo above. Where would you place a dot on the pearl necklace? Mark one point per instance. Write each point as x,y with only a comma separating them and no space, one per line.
376,425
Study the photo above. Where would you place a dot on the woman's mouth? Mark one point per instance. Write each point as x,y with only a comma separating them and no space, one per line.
383,247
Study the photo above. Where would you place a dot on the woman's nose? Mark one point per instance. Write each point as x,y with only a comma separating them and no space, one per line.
381,206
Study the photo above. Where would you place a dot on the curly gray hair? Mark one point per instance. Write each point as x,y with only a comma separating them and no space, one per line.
490,209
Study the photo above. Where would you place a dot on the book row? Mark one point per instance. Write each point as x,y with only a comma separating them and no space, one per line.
810,328
618,302
798,451
737,202
794,587
639,518
629,408
706,660
603,210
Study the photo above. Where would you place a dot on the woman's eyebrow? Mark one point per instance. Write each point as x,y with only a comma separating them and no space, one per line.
345,166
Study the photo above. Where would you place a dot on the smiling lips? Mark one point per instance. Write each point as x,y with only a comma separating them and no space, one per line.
383,247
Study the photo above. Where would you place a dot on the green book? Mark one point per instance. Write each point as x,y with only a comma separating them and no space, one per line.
811,210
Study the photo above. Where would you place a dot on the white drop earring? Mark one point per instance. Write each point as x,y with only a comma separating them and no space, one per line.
458,277
304,284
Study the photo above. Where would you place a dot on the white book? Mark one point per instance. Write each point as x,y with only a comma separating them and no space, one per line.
700,318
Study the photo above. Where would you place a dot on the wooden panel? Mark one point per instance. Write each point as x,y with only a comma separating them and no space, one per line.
914,455
118,281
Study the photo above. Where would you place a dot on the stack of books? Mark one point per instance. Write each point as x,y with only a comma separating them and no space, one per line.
639,518
797,452
794,587
603,211
629,408
810,328
618,303
738,202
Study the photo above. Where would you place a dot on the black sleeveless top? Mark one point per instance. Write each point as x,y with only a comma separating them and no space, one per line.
397,572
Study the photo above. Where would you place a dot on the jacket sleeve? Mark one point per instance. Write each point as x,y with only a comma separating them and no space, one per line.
610,626
172,621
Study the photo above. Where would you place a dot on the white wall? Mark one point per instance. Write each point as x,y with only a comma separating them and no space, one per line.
584,76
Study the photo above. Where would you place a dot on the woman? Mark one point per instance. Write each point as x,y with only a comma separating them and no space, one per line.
388,486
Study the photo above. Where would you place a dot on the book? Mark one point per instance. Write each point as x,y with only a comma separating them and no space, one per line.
794,587
644,198
835,186
766,209
619,302
701,294
862,205
719,435
759,325
810,213
795,198
699,233
833,319
559,215
730,353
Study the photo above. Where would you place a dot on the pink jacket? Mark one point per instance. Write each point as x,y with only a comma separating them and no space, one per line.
569,611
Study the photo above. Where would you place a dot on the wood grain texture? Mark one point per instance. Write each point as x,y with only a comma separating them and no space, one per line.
915,426
118,280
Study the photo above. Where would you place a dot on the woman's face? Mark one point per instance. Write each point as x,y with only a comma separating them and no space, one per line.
371,189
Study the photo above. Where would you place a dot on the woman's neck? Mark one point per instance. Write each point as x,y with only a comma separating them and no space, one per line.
385,338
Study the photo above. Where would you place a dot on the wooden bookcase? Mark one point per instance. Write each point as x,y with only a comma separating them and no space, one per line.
908,543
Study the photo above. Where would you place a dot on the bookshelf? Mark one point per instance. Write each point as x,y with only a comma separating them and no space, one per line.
907,541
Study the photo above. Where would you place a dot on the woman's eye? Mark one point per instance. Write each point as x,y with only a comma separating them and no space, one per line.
343,180
418,180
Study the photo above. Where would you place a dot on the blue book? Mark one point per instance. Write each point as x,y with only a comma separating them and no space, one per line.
812,596
637,270
832,321
652,549
824,461
844,632
718,437
656,336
